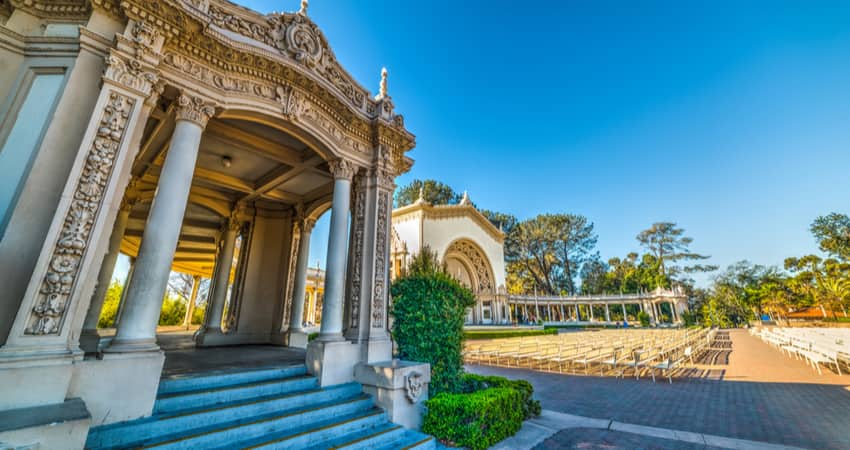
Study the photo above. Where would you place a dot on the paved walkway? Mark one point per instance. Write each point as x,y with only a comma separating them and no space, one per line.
752,392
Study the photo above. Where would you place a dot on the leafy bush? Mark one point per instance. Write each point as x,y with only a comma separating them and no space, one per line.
198,314
530,407
173,311
429,309
110,305
689,318
507,333
477,420
643,318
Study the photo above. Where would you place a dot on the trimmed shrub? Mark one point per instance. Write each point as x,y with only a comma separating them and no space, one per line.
477,420
429,309
507,333
473,383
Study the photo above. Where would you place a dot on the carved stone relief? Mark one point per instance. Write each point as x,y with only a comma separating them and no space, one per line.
356,271
74,238
414,384
379,295
479,263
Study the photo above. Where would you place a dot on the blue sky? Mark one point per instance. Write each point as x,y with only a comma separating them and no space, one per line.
731,120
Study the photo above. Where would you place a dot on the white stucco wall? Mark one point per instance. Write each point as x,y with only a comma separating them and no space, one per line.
440,233
418,228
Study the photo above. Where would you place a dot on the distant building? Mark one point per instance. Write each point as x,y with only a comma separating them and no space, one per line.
470,245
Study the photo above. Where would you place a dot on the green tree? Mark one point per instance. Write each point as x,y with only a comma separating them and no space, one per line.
668,244
547,253
833,234
429,310
594,277
434,192
820,281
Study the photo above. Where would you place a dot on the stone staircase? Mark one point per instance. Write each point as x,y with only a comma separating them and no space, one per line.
270,408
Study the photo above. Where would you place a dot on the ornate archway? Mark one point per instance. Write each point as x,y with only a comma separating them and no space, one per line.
476,271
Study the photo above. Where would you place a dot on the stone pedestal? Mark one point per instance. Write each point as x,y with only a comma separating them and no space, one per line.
93,341
298,339
400,387
332,362
212,337
131,377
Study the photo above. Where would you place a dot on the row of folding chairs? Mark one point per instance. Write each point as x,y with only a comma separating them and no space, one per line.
587,352
817,348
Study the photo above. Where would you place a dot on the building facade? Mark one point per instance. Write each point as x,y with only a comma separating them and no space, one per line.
467,242
197,136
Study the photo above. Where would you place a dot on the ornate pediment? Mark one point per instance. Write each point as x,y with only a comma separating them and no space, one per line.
279,57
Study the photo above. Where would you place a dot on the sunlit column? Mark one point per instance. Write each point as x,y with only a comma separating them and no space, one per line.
332,305
221,278
190,308
296,318
137,330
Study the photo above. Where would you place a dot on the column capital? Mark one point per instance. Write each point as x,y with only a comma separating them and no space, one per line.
342,169
305,224
194,109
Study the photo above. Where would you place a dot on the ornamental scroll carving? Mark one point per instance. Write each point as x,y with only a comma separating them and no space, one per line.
74,238
356,270
194,109
479,263
379,295
297,37
342,169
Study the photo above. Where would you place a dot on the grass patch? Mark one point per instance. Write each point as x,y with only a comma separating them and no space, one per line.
499,334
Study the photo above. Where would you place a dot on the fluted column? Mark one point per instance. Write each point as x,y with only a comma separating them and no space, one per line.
607,313
122,300
300,290
190,308
137,331
221,278
332,306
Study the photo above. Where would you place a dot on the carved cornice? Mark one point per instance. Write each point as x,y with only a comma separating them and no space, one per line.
427,211
342,169
73,10
194,109
279,58
305,225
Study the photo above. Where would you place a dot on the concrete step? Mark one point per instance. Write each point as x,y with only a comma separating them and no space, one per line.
317,435
364,439
182,401
210,380
410,440
226,436
172,426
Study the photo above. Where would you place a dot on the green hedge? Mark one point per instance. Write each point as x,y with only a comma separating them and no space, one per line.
429,308
530,407
477,420
498,334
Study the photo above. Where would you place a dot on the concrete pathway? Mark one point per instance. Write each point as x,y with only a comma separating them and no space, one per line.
538,433
753,392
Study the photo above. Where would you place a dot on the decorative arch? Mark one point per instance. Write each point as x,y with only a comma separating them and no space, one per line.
470,255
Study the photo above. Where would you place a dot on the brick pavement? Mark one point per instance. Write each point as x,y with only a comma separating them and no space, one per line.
759,395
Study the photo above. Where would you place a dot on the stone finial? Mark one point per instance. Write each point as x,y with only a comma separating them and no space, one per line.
382,92
421,198
465,199
304,5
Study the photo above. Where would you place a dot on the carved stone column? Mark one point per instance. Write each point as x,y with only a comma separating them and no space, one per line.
220,284
330,357
297,336
332,304
370,268
137,331
90,339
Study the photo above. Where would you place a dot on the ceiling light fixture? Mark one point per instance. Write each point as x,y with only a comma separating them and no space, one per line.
226,161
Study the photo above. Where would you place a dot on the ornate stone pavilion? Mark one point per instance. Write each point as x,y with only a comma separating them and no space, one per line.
173,130
469,244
